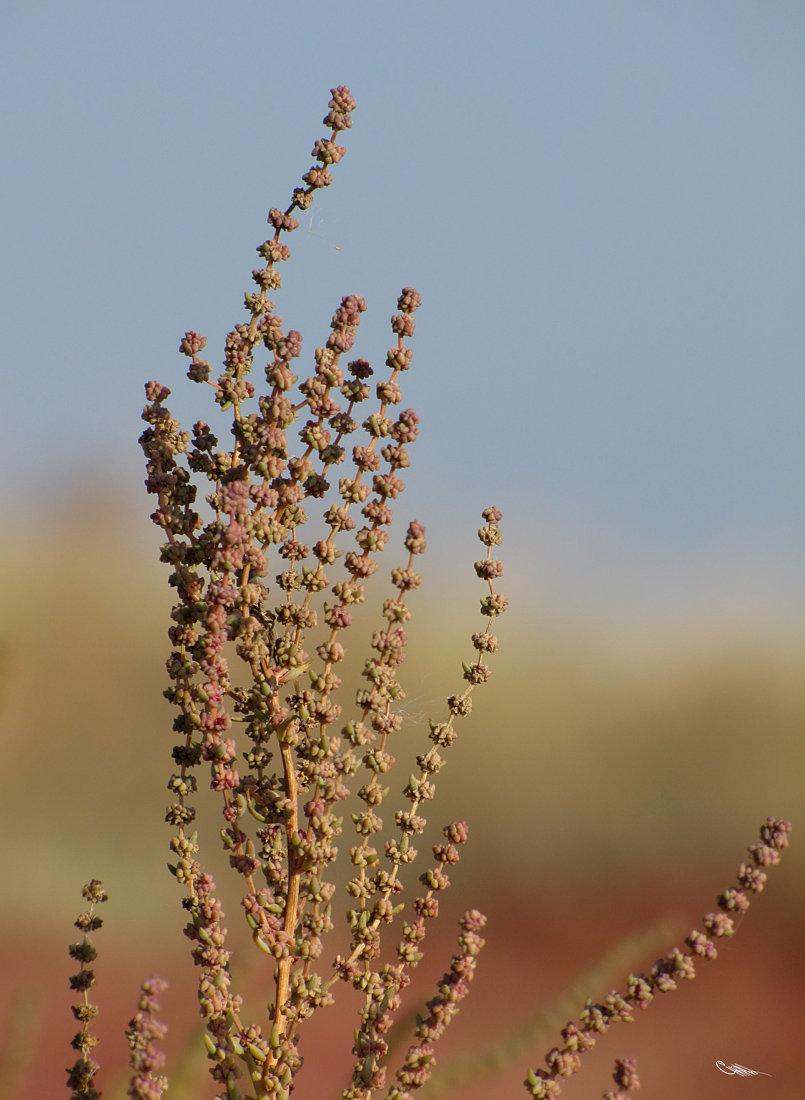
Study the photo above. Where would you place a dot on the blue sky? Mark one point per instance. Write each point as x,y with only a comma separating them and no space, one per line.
601,205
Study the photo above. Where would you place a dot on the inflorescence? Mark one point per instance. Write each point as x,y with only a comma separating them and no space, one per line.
81,1076
678,965
280,805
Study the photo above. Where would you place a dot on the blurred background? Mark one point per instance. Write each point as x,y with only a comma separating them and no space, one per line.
601,207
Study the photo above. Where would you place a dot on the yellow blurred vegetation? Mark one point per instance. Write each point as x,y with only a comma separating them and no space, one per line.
584,756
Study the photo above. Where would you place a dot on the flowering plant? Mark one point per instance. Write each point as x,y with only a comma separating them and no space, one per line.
301,755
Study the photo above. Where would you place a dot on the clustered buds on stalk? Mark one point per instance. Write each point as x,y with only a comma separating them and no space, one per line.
678,965
280,806
143,1031
142,1034
81,1077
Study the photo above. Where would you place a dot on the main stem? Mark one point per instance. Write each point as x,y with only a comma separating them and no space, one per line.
292,897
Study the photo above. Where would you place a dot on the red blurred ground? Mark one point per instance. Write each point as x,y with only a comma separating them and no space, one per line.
746,1007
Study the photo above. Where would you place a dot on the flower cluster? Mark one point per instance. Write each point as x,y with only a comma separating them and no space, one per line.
143,1032
678,965
625,1077
281,782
